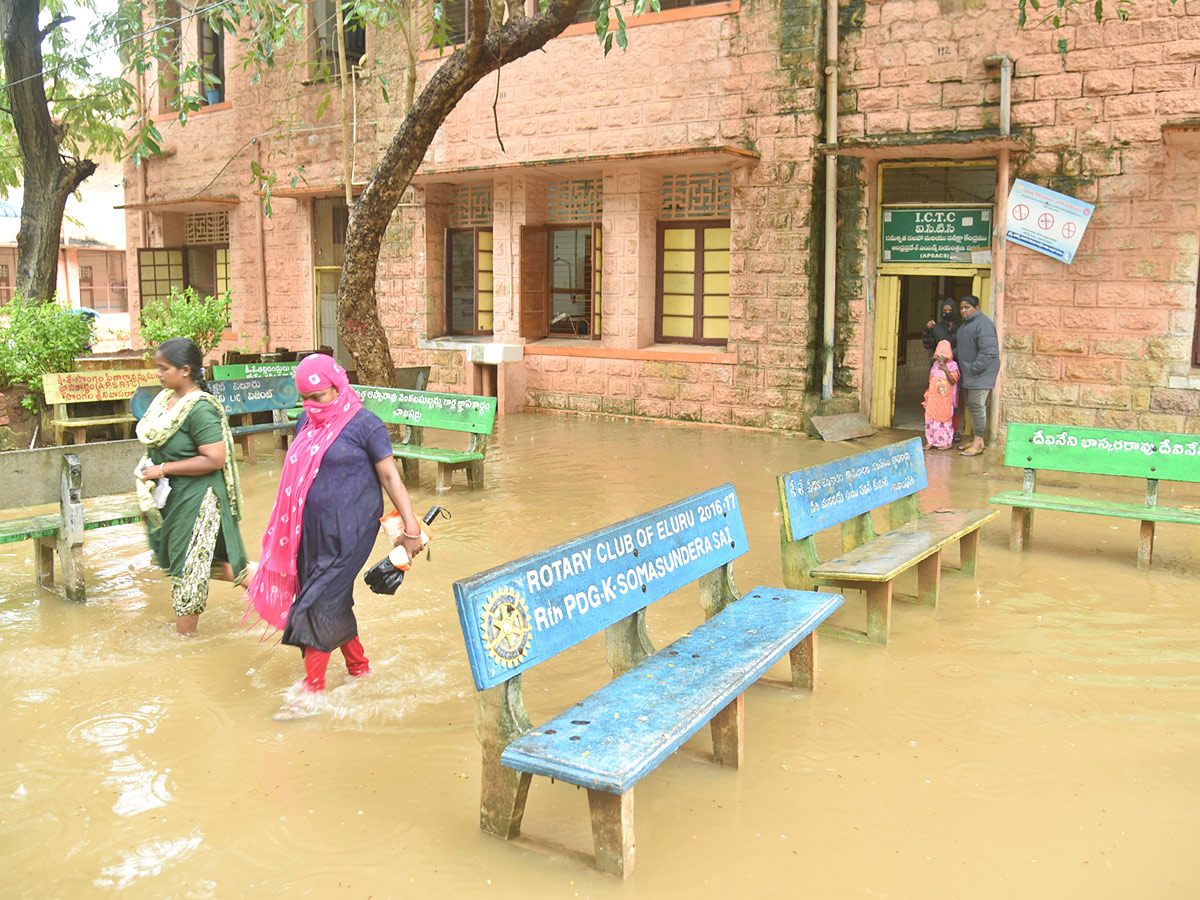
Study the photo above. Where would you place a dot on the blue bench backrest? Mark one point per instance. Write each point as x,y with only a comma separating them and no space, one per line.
519,614
248,395
822,496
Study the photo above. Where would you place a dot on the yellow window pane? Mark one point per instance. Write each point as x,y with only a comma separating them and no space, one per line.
160,256
679,261
162,273
485,300
175,257
485,262
678,304
222,256
716,239
485,281
485,240
716,306
716,283
716,260
679,283
716,328
676,326
679,239
485,321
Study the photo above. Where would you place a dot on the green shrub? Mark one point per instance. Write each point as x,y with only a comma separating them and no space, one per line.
186,314
36,338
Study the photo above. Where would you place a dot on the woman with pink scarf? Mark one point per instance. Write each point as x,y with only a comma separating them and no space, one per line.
323,527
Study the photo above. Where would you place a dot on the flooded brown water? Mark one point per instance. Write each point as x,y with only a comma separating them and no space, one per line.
1038,735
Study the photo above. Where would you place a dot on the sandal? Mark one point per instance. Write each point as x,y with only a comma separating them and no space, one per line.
971,451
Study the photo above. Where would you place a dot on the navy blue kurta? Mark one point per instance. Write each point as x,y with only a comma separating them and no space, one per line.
341,522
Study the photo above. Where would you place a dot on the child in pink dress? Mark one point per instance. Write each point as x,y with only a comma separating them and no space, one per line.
940,398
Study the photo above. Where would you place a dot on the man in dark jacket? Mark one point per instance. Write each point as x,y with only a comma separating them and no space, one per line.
979,361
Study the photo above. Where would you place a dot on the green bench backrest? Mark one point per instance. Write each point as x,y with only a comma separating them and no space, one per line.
524,612
820,497
1104,451
250,395
253,370
422,409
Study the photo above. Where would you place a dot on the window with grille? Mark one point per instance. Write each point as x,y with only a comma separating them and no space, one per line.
212,62
202,268
574,201
206,228
470,205
102,284
6,270
325,60
700,195
693,282
469,299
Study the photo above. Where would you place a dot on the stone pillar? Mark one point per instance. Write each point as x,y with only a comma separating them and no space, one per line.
631,203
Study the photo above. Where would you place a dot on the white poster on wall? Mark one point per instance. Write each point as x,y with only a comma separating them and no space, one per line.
1045,220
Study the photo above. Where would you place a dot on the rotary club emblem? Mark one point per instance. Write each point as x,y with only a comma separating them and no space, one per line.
504,621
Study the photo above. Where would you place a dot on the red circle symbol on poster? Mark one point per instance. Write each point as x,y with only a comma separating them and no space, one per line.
1020,212
1045,221
1068,229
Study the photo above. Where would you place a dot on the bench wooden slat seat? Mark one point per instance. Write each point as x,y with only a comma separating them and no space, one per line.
1115,508
1151,455
67,392
113,512
844,493
613,738
421,411
527,611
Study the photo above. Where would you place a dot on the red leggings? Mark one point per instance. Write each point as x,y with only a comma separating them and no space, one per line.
316,661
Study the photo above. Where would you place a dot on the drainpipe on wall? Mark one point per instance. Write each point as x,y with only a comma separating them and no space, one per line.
831,164
1000,262
262,258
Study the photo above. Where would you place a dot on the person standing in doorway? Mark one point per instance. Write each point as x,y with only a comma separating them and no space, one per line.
979,361
944,329
939,399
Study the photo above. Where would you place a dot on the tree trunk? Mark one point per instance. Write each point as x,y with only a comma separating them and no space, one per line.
47,178
485,51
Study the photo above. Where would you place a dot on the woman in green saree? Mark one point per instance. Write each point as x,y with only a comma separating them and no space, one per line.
188,484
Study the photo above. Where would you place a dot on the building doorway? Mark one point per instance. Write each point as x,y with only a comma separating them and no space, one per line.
905,300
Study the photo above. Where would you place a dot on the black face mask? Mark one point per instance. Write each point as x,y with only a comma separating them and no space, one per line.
947,315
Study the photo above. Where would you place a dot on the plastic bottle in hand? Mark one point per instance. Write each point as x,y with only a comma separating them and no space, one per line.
388,574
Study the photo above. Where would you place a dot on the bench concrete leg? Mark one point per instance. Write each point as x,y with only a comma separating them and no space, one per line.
502,799
728,731
803,658
929,579
1020,530
1145,545
612,831
968,552
879,612
71,559
445,477
410,470
475,475
43,562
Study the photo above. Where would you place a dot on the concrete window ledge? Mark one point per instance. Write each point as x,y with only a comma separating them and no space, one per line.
658,352
479,350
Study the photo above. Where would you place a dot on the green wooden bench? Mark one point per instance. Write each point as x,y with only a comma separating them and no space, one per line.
844,492
420,411
73,397
31,478
1152,455
525,612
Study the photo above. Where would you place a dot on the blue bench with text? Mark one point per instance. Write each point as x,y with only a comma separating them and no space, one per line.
523,613
241,399
844,492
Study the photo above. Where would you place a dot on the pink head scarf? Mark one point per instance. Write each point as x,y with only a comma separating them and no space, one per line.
274,586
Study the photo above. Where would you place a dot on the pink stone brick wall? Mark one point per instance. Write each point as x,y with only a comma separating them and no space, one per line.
1097,342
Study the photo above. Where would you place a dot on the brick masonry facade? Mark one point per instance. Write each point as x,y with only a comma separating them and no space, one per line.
737,88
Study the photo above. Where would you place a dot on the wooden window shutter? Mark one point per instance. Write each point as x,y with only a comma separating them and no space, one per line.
535,273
